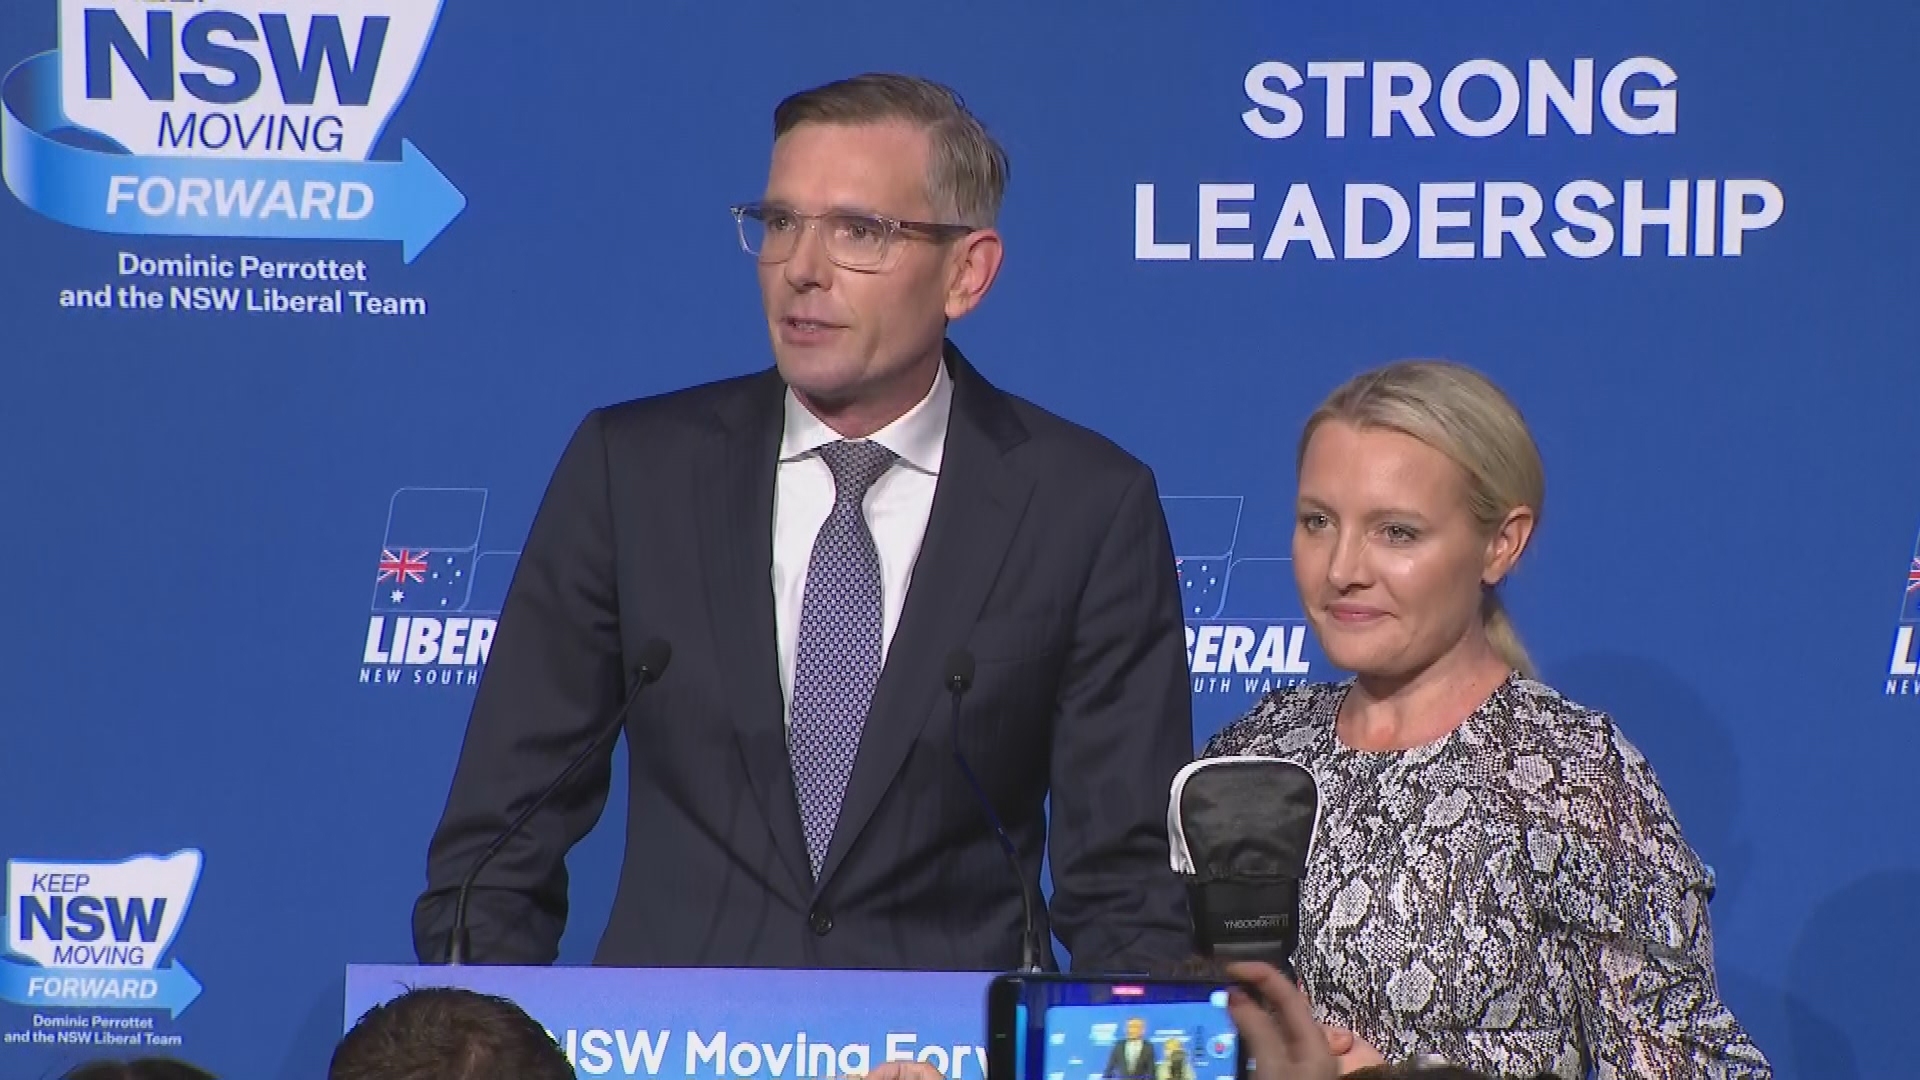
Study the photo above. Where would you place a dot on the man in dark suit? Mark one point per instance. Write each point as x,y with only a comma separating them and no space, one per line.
1132,1057
814,542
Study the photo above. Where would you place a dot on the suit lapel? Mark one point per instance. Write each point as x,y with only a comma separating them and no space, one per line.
736,522
977,505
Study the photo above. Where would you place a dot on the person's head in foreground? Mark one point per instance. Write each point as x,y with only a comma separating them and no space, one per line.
446,1033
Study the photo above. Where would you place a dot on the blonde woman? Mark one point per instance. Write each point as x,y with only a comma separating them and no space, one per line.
1177,1065
1497,879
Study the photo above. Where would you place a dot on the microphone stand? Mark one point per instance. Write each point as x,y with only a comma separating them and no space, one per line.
959,680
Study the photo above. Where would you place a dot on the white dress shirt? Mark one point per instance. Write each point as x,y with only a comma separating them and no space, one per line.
897,506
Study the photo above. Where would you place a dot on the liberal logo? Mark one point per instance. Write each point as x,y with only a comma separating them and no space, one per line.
91,935
436,592
236,118
1245,633
1905,665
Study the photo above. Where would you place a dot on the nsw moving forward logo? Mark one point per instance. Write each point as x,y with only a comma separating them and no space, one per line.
91,935
234,118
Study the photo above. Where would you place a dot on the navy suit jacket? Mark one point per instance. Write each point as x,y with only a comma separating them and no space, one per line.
1046,554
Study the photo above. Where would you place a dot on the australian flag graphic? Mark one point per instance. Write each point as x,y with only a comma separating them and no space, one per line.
1216,582
1245,632
431,560
1204,528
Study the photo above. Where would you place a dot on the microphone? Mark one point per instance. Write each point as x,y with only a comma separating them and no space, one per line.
1241,831
959,680
651,663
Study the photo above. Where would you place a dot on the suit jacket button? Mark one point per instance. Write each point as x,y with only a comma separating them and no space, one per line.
821,921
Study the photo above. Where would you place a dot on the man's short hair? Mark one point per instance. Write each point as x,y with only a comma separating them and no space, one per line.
967,176
151,1068
446,1033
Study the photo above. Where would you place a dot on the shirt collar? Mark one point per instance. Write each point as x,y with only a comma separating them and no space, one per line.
918,438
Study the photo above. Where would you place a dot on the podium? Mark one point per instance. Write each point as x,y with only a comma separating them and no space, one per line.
737,1024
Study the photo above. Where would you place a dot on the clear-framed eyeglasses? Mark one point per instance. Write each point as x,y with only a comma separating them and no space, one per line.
852,241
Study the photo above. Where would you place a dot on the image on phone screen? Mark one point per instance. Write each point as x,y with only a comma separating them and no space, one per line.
1076,1030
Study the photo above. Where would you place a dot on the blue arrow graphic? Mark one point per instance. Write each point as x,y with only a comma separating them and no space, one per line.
172,988
409,200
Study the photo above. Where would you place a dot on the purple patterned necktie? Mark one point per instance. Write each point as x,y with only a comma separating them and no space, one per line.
837,660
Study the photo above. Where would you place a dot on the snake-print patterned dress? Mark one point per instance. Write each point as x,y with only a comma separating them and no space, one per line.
1515,897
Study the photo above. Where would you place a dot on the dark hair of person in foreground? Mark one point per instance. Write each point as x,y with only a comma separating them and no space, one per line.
446,1033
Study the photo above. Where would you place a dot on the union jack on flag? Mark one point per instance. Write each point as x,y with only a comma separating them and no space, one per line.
1910,603
400,569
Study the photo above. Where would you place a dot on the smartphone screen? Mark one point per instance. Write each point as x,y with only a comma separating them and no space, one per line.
1068,1028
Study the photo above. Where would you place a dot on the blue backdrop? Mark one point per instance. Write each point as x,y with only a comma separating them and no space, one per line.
520,213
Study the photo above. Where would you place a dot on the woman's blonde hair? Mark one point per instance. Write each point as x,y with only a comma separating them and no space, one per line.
1461,413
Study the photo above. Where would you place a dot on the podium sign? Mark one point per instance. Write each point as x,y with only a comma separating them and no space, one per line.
725,1023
